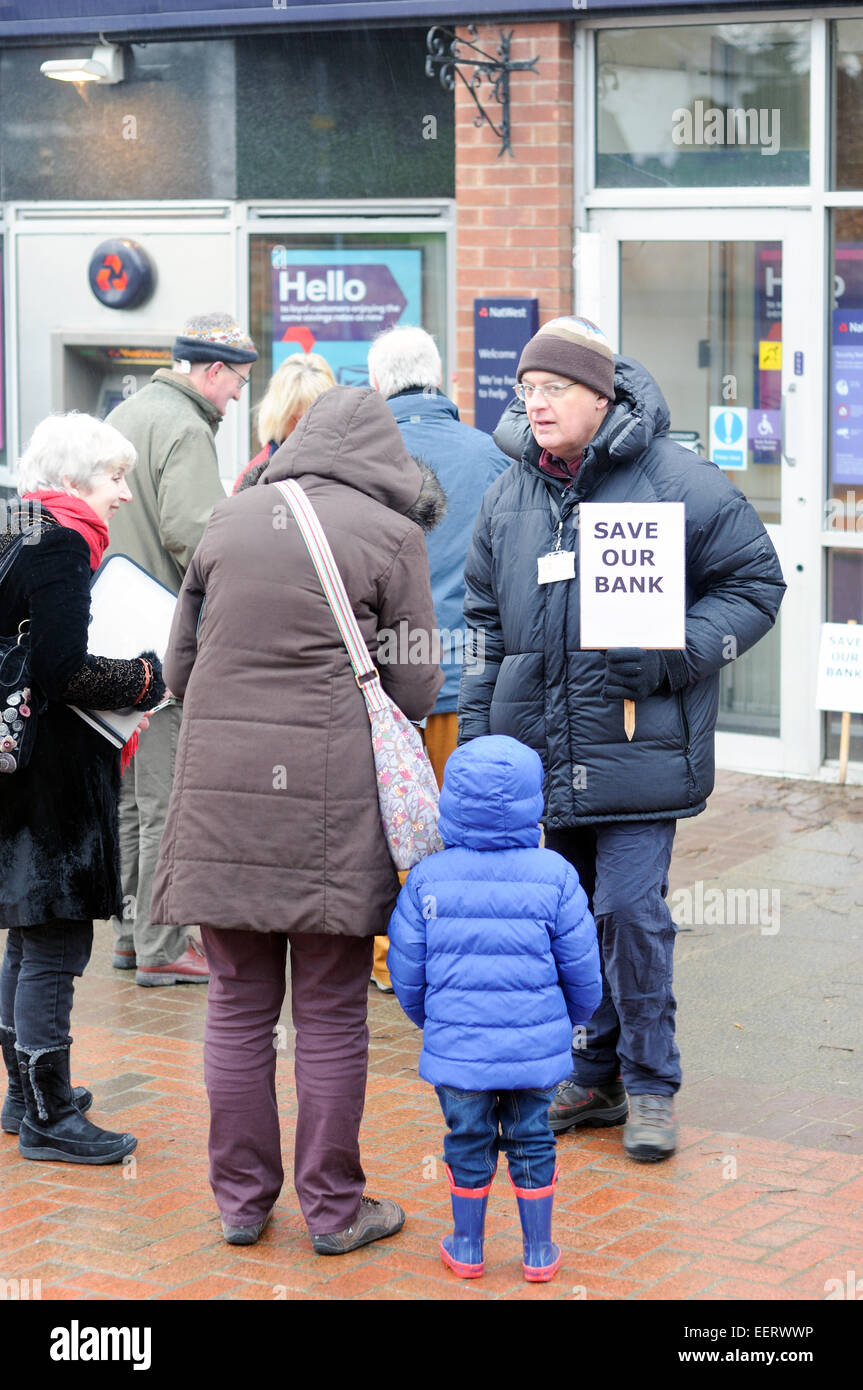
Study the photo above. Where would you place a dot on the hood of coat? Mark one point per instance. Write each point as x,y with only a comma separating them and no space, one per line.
492,795
639,414
349,435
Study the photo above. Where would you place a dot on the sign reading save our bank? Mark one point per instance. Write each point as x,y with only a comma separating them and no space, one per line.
840,668
335,302
632,573
501,328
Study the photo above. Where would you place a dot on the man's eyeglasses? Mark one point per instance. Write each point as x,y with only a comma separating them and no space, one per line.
549,392
239,375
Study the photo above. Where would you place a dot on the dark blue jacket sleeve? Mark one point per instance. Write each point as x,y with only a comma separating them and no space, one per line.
406,959
575,949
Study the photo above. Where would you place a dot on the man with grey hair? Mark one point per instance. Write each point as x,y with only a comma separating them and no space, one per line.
172,422
405,366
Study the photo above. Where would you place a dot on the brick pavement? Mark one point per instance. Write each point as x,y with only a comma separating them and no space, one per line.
736,1214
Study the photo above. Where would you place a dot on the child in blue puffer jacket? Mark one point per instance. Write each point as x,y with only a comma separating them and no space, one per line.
493,953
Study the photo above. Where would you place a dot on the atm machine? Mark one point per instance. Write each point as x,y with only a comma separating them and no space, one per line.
71,348
93,372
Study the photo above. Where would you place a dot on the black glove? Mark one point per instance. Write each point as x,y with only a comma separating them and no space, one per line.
632,673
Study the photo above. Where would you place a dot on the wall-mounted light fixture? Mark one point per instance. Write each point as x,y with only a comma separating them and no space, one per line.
105,66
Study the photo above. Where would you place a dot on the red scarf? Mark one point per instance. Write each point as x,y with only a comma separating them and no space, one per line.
79,516
558,468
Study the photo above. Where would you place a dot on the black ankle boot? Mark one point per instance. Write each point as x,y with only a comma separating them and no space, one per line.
53,1128
13,1106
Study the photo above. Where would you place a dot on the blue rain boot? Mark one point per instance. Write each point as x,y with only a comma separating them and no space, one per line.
462,1251
541,1255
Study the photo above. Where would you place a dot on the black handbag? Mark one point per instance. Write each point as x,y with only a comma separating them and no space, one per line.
18,702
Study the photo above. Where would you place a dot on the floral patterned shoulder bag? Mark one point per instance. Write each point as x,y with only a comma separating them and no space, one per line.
407,790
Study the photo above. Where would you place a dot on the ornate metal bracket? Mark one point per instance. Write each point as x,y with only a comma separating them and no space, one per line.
444,52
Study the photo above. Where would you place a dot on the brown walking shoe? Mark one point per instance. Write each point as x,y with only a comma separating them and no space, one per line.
375,1220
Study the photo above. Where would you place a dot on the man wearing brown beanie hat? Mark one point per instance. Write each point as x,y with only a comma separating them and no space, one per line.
594,427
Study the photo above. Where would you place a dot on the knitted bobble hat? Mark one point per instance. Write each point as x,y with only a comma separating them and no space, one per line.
574,348
214,338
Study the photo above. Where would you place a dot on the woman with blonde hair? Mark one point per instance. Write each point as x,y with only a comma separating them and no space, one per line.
296,383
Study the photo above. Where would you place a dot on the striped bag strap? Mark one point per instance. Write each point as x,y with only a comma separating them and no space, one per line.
365,674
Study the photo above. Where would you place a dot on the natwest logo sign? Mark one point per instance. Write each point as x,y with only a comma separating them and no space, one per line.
121,275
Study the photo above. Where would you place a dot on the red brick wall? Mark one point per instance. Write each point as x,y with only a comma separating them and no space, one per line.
514,212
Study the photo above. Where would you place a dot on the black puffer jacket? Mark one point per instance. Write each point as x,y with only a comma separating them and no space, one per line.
532,680
59,847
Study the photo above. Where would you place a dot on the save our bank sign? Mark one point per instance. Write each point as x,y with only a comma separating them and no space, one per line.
336,302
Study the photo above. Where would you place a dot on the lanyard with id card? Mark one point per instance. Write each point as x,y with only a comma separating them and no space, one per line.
558,564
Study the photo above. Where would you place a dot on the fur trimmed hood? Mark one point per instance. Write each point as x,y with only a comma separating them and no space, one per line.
430,508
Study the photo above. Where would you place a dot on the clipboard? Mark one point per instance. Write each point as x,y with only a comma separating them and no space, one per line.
130,612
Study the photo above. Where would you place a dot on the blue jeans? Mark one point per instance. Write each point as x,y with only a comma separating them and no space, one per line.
623,868
37,981
481,1123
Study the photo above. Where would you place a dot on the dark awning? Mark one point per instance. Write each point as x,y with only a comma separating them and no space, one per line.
51,18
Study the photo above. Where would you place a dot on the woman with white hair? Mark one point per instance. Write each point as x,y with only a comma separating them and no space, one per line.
58,814
294,386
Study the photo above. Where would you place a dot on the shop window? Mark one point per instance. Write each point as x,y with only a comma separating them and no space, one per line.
844,505
332,293
342,115
718,105
166,131
844,603
306,116
847,130
844,502
3,431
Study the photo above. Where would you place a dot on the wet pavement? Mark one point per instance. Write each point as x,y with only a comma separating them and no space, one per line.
764,1198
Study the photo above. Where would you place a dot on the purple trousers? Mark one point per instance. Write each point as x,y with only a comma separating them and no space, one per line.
329,1002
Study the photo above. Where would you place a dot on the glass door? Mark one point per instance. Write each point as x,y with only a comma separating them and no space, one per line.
717,305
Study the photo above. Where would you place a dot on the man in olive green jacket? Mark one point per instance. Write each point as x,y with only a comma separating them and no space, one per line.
172,423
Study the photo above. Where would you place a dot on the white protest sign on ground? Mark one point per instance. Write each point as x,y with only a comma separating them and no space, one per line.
632,570
840,668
